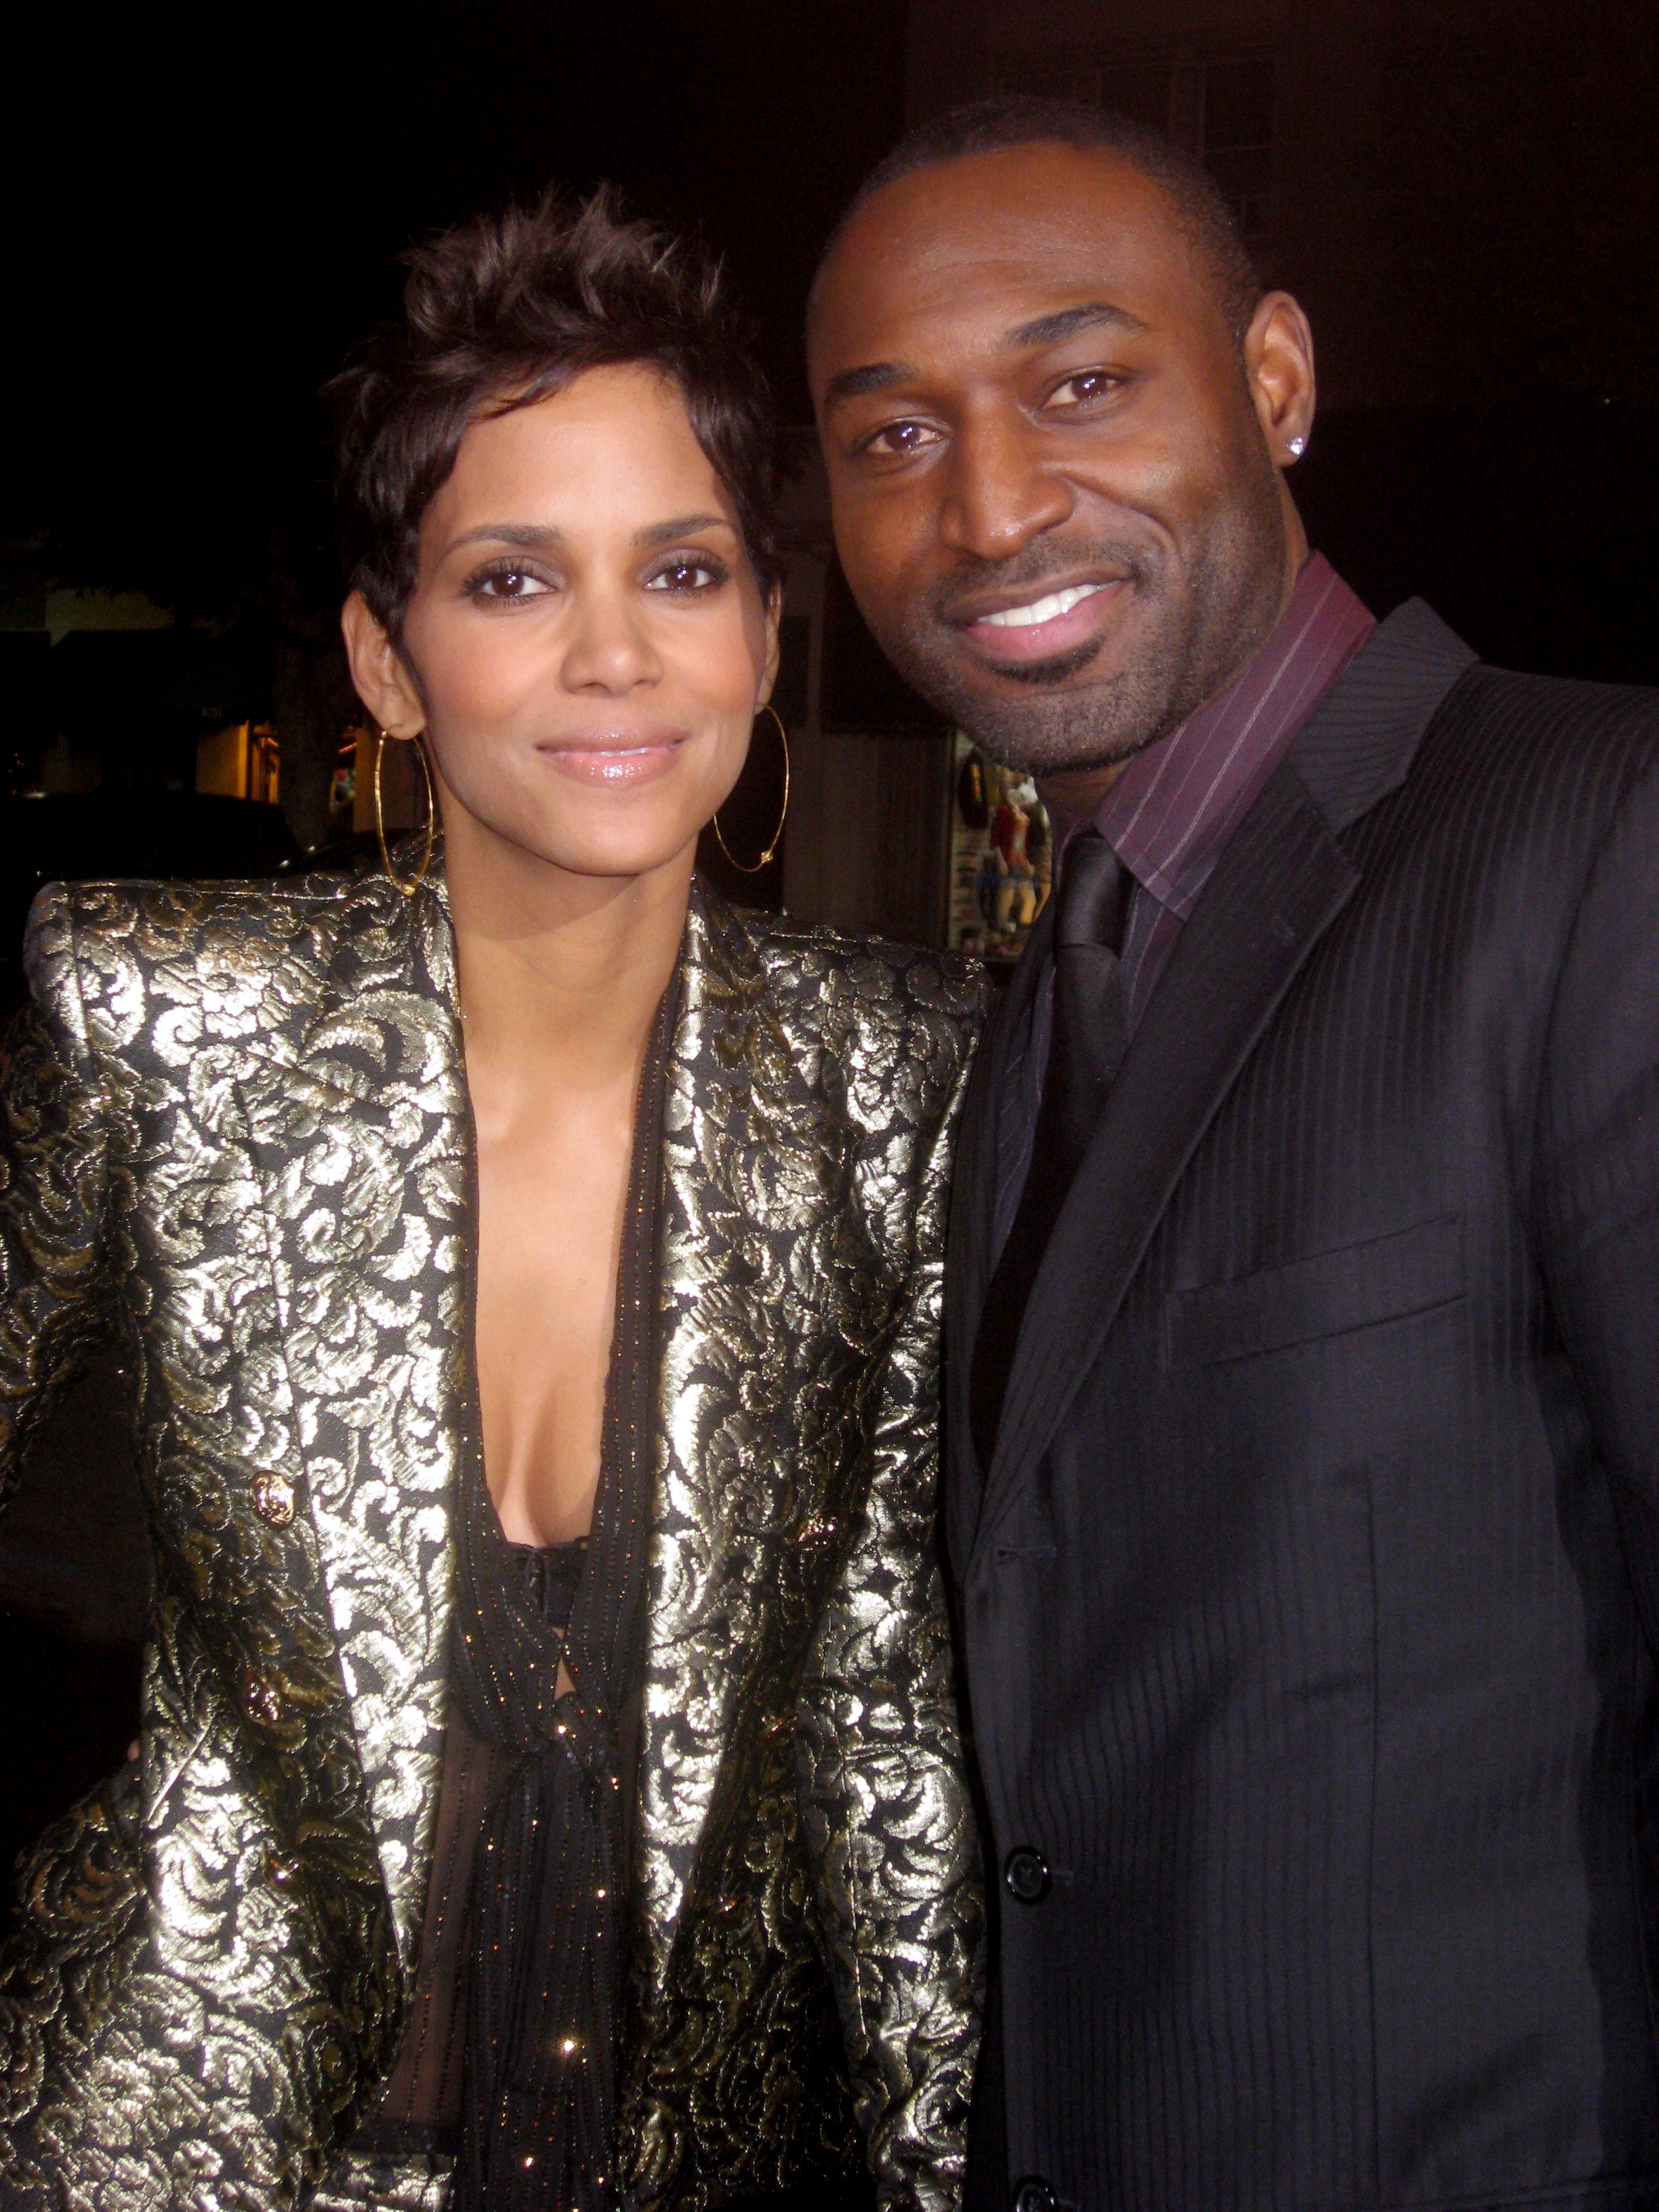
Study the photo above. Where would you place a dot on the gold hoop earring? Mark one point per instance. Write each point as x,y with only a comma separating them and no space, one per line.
753,867
407,890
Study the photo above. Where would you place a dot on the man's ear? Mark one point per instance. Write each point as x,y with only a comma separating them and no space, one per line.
1278,365
383,679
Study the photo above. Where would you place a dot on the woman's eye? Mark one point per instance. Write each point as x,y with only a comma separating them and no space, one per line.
896,438
684,574
506,584
1088,387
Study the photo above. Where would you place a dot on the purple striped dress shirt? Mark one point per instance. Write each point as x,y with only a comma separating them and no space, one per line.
1171,812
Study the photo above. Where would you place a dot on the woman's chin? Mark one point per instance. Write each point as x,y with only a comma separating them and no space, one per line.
601,849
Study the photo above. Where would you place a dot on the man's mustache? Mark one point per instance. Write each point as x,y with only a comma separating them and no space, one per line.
1033,568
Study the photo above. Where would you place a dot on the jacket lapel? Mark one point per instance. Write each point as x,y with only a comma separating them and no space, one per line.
361,1132
974,1187
745,1175
1279,885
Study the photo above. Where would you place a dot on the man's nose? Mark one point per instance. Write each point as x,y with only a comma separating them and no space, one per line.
999,495
608,647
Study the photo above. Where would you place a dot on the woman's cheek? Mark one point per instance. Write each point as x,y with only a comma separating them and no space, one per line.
484,688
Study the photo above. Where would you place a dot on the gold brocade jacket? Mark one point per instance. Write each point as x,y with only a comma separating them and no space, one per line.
234,1129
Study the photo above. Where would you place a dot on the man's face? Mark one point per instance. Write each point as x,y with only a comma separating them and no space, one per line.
1051,468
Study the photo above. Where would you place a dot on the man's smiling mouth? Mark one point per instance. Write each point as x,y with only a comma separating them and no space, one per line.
1044,610
1065,625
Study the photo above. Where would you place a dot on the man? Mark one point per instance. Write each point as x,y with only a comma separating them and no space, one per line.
1303,1497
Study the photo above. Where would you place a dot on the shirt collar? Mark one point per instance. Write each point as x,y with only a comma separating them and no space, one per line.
1173,807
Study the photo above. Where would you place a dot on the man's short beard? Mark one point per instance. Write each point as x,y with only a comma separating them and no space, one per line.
1188,652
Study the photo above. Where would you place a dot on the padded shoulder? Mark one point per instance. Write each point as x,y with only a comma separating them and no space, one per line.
1560,757
876,980
109,951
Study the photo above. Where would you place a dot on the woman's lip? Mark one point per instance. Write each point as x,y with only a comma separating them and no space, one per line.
1043,640
613,766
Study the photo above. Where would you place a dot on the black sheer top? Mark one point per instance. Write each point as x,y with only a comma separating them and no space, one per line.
508,2060
423,2093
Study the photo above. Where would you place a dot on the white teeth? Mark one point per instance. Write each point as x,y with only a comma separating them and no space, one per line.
1043,610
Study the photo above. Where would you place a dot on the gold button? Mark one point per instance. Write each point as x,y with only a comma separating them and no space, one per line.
261,1701
273,1499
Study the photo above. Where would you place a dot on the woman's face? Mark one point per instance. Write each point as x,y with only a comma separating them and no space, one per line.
591,642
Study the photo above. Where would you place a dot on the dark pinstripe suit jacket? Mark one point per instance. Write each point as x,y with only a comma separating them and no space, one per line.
1310,1602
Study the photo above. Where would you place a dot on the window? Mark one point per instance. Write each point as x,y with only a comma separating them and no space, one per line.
1138,88
1221,105
1049,77
1235,133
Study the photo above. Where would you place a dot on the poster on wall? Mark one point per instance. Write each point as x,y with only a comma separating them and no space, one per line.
1001,856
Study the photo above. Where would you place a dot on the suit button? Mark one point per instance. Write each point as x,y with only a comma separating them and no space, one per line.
1033,2195
1025,1872
273,1499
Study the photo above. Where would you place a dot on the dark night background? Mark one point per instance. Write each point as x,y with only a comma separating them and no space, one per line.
216,219
204,217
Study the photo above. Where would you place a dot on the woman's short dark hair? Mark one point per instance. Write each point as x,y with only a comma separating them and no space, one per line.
507,309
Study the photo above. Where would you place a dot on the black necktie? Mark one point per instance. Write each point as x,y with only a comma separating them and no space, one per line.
1089,1037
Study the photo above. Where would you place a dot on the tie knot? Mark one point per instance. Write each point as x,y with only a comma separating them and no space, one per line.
1093,894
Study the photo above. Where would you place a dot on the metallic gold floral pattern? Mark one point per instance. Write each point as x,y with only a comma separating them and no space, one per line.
236,1131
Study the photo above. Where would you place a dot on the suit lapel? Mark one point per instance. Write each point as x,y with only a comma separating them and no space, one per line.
362,1134
974,1188
1279,885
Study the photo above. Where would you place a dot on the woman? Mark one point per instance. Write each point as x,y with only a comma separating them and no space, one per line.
550,1793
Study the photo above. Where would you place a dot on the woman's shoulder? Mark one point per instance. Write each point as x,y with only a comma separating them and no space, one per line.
119,944
843,976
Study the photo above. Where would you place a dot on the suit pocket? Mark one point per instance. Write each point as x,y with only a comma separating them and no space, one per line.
1330,1294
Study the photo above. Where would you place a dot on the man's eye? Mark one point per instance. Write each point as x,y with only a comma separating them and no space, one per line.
1085,389
901,438
684,574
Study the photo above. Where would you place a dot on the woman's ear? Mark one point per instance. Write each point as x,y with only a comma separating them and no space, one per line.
382,677
773,622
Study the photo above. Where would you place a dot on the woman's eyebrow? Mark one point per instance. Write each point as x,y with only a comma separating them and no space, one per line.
529,536
681,525
542,537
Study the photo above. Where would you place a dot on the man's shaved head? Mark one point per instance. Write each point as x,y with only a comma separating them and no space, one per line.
1022,119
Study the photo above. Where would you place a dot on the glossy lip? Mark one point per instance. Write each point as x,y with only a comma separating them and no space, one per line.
614,760
1045,640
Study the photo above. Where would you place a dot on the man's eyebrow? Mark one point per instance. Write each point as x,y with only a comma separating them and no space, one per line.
1047,330
1053,330
854,383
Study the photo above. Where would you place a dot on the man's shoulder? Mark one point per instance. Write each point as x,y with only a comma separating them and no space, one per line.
1549,704
1579,749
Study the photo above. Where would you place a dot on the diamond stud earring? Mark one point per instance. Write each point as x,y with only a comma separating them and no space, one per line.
1298,447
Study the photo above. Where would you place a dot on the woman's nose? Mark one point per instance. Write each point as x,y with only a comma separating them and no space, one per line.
608,647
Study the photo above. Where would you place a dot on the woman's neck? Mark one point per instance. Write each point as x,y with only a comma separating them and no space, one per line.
560,975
